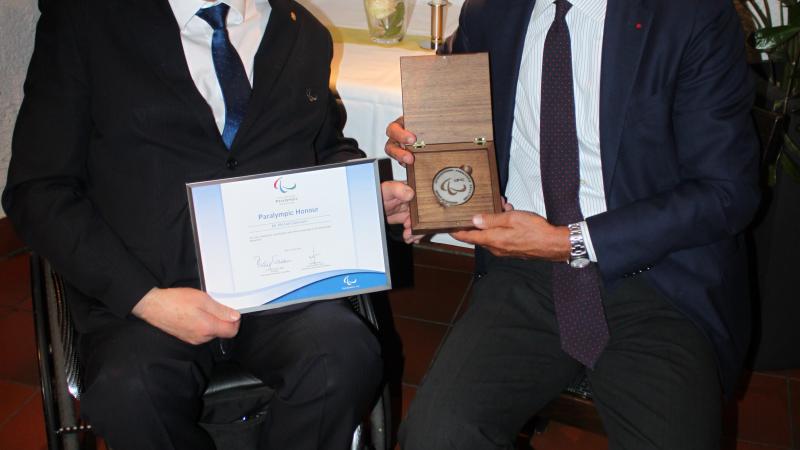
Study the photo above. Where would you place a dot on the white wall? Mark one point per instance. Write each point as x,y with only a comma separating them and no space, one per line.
17,23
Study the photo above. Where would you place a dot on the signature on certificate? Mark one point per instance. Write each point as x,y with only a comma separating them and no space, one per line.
314,260
274,264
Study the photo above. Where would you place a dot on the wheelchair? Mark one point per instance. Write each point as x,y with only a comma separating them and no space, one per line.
60,375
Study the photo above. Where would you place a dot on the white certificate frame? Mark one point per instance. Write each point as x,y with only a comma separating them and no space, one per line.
281,280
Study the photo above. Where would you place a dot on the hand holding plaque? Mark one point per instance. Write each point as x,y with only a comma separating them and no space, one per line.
447,105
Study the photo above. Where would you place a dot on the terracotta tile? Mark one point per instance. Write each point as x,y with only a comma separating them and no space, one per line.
789,373
794,388
26,305
420,342
13,396
745,445
436,295
15,278
25,431
9,242
445,257
761,414
563,437
6,311
408,395
19,350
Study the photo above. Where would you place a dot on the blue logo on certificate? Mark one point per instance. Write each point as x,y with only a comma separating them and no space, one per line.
282,186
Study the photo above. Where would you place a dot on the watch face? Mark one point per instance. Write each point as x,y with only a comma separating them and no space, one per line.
453,186
579,263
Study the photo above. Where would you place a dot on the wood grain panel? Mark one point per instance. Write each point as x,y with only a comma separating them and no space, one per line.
447,99
427,214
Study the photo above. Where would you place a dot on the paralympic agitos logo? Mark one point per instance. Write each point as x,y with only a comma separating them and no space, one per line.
280,185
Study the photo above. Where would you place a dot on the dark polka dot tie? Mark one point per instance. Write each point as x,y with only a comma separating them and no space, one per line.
576,292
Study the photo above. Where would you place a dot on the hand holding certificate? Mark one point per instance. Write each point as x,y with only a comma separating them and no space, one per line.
270,240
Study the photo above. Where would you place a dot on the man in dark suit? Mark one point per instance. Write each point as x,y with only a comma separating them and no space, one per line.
626,124
124,104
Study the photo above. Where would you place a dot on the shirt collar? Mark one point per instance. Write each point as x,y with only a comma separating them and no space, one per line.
185,10
593,9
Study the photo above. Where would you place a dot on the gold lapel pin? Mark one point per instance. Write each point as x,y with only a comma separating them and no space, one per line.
293,16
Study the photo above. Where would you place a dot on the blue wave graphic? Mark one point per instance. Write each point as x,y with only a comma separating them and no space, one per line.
331,284
336,285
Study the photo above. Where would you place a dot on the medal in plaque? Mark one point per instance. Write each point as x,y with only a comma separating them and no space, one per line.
447,105
453,186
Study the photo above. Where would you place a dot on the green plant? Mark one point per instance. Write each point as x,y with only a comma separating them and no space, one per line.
776,40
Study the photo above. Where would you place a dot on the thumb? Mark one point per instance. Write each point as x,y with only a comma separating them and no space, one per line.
221,311
486,221
225,329
395,190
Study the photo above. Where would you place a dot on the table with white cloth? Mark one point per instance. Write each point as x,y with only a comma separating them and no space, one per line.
367,76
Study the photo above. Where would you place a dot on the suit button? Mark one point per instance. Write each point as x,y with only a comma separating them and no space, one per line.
232,163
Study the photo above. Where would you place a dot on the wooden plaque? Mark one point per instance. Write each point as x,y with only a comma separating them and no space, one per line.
447,104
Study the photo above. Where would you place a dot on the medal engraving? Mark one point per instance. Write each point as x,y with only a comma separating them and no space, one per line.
454,186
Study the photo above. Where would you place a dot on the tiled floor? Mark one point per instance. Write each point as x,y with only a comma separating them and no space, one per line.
418,315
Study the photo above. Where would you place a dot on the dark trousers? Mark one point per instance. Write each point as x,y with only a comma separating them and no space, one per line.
144,386
655,385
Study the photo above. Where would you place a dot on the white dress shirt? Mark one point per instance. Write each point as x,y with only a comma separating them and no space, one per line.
246,23
586,20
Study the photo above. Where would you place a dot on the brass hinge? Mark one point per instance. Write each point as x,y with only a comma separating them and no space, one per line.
419,144
480,141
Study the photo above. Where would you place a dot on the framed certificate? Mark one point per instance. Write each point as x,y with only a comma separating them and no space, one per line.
271,240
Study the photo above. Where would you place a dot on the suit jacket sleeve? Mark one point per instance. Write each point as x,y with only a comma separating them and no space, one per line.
716,147
45,194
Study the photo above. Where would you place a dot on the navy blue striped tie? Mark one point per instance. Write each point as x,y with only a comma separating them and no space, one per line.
230,71
576,292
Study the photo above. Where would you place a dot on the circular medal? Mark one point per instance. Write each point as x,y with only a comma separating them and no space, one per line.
454,186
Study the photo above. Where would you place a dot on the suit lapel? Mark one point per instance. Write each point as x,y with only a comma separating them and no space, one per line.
626,28
153,24
273,52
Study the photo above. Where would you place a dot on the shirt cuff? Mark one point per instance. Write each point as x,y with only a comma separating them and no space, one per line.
587,241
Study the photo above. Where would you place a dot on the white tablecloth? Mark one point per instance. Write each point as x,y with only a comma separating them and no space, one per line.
367,77
350,14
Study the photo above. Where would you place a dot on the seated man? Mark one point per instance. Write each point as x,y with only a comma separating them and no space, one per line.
124,104
622,127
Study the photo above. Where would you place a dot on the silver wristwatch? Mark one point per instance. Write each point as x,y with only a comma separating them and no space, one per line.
578,256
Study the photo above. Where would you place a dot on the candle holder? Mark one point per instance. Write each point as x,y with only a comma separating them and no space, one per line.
437,25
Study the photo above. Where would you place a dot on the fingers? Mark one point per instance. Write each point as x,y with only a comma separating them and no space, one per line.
408,237
507,206
220,311
486,221
398,137
470,237
397,132
220,320
223,329
395,193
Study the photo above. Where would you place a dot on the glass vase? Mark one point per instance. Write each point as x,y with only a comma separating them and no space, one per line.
386,20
